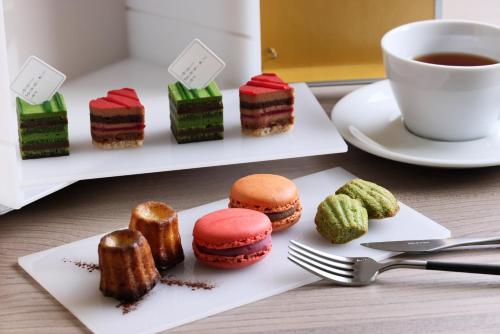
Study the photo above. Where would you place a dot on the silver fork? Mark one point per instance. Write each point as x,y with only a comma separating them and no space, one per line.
356,271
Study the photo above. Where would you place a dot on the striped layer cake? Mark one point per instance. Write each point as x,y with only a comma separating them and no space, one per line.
117,120
196,114
43,128
266,105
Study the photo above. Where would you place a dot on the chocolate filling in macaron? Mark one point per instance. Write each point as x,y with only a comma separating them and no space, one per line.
275,216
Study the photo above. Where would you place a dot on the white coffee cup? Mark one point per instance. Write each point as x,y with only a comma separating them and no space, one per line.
443,102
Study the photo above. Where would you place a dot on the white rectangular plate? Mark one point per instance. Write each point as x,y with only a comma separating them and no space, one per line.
168,306
313,134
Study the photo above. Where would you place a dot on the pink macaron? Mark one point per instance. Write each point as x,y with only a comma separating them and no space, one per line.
232,238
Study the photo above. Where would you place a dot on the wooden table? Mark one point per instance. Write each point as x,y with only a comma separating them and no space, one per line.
465,201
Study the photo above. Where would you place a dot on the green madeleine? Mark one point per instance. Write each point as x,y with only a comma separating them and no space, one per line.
378,201
341,219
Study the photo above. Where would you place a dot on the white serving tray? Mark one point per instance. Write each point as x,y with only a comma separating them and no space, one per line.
167,306
313,134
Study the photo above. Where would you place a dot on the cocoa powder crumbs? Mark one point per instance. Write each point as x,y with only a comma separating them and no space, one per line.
128,307
90,267
171,280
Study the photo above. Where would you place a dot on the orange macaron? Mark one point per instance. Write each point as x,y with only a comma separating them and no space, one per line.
274,195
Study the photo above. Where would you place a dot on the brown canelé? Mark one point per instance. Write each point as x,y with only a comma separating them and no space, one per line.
127,266
158,223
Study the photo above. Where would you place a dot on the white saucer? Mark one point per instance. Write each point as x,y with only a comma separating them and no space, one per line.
369,119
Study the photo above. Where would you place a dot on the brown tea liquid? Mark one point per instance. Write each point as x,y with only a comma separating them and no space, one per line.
456,59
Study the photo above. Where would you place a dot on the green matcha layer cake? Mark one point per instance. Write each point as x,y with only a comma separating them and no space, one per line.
196,114
43,128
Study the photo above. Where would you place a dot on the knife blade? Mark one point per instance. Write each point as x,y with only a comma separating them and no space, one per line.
429,245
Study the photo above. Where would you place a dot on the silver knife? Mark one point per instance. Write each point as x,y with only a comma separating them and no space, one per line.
430,245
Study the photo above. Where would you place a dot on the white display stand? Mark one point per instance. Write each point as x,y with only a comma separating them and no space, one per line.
236,36
236,40
313,134
11,194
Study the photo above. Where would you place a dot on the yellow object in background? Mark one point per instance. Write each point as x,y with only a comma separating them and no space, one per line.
332,40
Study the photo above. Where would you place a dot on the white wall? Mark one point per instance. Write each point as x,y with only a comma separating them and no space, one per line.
75,36
159,30
478,10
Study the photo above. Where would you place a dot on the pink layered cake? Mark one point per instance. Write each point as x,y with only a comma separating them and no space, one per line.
117,120
266,105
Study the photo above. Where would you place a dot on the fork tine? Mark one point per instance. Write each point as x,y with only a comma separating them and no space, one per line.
319,272
342,259
321,265
329,263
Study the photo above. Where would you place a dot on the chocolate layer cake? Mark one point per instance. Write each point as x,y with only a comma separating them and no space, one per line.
117,120
43,128
196,114
266,105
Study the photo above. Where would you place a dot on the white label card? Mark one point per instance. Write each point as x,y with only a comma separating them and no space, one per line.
196,66
37,81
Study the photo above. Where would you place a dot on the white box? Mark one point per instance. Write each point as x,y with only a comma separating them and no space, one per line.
118,43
